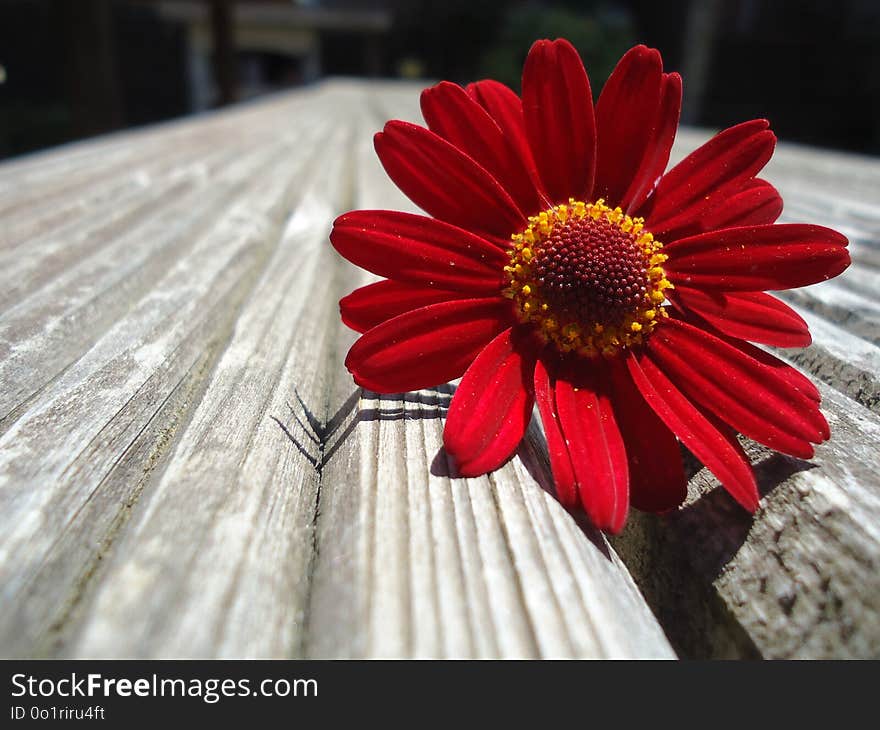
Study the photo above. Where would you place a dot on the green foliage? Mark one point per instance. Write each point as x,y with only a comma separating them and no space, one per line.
601,36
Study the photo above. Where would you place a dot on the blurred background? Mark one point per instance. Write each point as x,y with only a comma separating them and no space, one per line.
75,68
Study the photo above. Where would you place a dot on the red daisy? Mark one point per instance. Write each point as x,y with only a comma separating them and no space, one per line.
560,265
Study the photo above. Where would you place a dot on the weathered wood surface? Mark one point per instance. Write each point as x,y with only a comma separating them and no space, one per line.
186,469
801,579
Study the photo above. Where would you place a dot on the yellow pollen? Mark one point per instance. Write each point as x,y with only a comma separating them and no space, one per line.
588,277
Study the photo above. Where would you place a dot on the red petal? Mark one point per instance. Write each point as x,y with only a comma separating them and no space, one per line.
461,121
754,316
755,258
505,107
444,181
598,454
375,303
419,250
657,481
560,460
757,203
560,124
708,175
717,449
796,380
492,406
428,346
793,377
625,118
743,392
659,145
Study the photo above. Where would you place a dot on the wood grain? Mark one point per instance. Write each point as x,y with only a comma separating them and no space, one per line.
186,469
801,578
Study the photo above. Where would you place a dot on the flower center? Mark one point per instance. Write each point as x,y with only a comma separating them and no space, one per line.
588,277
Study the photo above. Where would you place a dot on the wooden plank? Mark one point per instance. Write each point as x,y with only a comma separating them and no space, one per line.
28,183
216,563
66,292
842,304
80,452
183,524
801,579
838,357
413,562
187,470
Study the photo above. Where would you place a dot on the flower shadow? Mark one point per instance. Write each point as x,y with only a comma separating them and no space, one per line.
297,443
711,519
714,525
677,558
442,465
309,434
532,455
425,404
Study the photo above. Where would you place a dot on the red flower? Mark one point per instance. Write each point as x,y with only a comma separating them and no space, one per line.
560,265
